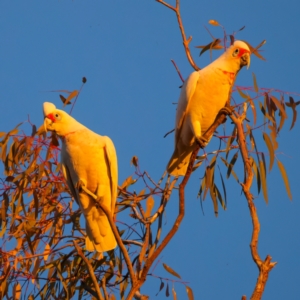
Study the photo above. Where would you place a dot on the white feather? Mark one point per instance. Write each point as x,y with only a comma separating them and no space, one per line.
202,96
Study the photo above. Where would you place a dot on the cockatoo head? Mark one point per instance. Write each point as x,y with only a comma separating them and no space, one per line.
237,56
59,121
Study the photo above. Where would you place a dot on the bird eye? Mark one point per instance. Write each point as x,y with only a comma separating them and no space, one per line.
57,116
236,52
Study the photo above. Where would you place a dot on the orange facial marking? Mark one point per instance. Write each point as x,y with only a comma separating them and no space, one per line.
243,51
51,117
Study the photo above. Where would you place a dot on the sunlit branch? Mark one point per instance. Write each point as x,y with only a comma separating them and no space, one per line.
128,242
185,41
264,266
90,270
153,256
103,286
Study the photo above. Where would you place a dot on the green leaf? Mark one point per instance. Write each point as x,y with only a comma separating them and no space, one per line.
189,292
242,94
212,191
161,286
209,175
273,135
264,161
230,141
17,291
253,109
213,45
292,104
127,182
285,178
36,264
280,106
220,198
270,148
198,162
255,83
254,50
263,180
232,172
257,174
171,271
167,290
214,22
70,97
149,204
282,117
232,162
266,115
223,186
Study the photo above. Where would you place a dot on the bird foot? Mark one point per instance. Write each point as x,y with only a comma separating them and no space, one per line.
227,110
79,185
202,142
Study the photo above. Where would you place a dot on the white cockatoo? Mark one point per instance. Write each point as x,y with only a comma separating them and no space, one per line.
203,95
87,159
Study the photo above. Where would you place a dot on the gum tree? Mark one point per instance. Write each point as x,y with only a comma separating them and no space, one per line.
40,221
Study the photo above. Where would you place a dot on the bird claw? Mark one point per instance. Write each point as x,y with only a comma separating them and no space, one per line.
202,141
227,110
79,185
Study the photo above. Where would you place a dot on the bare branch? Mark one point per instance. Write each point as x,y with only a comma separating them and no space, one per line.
180,76
264,266
90,270
103,285
151,258
185,41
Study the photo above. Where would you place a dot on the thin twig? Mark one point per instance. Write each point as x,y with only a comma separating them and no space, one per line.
128,242
178,72
90,270
103,285
143,250
169,132
185,41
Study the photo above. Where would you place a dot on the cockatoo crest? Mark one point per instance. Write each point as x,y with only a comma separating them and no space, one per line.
234,58
59,121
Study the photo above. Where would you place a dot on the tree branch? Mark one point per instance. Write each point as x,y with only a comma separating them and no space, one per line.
219,120
185,41
264,266
90,269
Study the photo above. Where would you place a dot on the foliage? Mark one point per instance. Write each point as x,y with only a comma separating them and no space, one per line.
40,223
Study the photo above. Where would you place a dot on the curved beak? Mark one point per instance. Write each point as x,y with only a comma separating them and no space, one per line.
245,60
47,123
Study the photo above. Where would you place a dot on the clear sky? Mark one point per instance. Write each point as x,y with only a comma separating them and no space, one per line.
124,48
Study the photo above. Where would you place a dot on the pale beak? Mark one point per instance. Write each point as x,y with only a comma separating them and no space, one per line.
245,60
47,122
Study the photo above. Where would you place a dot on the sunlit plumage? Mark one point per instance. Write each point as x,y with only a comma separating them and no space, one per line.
203,95
90,159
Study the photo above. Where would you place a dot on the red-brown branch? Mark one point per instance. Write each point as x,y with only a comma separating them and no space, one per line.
264,266
185,41
219,120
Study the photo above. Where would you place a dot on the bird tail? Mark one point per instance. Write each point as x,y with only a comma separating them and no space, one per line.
179,162
104,240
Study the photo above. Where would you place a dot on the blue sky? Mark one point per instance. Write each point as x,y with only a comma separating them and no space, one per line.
124,51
